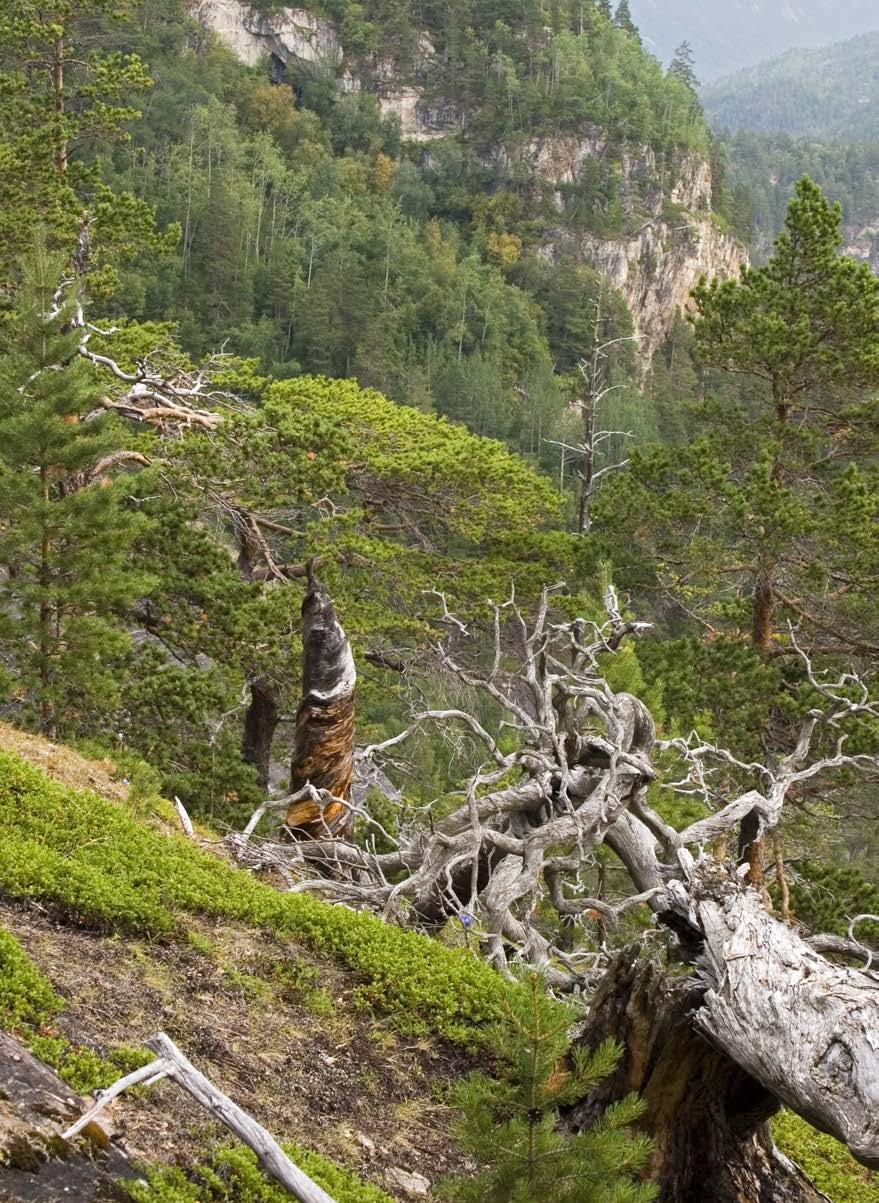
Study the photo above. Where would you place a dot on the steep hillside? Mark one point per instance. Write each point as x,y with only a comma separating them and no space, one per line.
337,1032
737,33
112,928
606,158
830,92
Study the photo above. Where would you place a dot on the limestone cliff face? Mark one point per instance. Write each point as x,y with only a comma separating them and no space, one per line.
657,268
862,242
292,35
675,242
672,240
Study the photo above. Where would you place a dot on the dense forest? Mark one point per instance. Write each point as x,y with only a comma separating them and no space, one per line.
514,688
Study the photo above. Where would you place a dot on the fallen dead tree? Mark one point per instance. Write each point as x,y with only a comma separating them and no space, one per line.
797,1027
170,1063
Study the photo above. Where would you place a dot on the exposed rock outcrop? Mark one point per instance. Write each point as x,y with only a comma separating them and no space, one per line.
677,240
38,1166
657,268
291,35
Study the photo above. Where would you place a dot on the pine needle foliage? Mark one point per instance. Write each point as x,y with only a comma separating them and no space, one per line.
510,1123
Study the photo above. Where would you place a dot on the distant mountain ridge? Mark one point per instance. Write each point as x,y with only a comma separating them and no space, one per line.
727,35
826,93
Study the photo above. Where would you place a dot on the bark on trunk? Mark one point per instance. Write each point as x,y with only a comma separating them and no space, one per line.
260,723
707,1116
808,1029
323,753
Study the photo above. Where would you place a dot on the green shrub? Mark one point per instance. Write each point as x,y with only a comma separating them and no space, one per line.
233,1173
25,996
827,1162
103,868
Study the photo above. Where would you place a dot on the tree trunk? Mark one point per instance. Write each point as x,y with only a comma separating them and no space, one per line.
323,752
260,723
707,1116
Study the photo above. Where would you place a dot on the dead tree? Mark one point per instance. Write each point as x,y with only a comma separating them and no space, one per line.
763,1014
323,750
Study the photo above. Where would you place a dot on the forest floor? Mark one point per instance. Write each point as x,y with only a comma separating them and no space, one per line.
273,1023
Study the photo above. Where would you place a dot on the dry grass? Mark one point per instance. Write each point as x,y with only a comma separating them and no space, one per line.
64,764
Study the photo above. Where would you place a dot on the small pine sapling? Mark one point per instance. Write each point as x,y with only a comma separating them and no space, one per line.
510,1124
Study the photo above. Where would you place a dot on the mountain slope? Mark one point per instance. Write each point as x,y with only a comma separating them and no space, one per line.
729,34
831,92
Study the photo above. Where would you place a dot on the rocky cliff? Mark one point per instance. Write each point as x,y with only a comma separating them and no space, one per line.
671,238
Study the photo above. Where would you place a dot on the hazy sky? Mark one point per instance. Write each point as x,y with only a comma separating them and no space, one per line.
728,34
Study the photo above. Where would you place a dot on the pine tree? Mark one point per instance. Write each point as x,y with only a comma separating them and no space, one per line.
624,20
61,92
510,1123
65,532
603,6
682,67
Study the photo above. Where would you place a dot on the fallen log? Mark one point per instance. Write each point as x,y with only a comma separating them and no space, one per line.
171,1063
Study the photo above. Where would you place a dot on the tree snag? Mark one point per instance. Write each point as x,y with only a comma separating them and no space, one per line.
763,1017
323,751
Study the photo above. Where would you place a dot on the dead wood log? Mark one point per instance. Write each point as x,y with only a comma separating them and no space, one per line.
706,1114
807,1029
323,751
171,1063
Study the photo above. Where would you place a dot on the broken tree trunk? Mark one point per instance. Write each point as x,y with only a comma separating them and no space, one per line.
260,723
806,1028
707,1116
323,752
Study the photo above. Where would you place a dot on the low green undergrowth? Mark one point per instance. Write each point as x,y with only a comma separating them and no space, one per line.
232,1173
27,1006
103,868
26,998
823,1159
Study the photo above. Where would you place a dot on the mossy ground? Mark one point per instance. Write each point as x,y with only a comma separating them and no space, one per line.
334,1030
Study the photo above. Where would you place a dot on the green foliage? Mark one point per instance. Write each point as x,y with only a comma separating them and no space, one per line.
510,1123
763,170
823,93
66,528
233,1173
101,867
826,897
61,87
26,998
825,1161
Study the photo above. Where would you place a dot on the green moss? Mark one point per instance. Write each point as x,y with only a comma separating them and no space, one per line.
102,867
233,1174
827,1162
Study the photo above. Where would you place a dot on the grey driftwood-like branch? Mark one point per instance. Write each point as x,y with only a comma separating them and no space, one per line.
805,1028
572,773
170,1063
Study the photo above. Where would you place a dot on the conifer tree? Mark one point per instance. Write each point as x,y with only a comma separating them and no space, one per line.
510,1123
65,532
60,92
623,19
682,67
